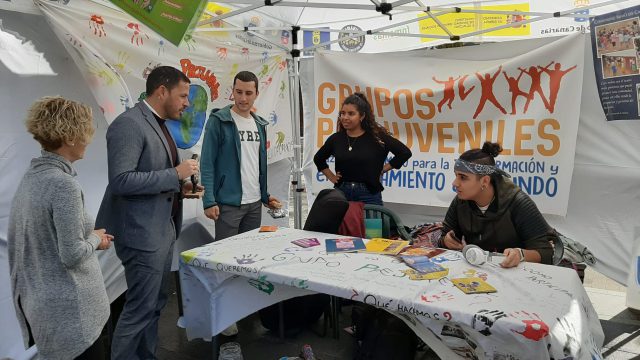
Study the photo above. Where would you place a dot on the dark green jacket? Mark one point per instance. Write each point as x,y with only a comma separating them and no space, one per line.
221,159
511,221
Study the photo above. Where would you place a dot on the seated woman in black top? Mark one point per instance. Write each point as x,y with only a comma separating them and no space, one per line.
360,147
494,213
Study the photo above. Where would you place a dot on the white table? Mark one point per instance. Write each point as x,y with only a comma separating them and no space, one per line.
539,311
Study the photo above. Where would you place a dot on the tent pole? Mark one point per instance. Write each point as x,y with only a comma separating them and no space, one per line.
297,146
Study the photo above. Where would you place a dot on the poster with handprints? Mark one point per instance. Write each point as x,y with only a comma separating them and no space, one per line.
116,52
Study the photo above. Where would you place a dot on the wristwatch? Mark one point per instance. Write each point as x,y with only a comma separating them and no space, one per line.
521,254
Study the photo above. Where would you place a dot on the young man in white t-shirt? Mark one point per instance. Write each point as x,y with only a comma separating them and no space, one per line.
234,163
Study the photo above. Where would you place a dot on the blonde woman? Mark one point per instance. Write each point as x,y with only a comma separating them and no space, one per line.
57,284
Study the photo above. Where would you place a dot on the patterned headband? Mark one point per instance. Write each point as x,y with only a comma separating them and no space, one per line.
479,169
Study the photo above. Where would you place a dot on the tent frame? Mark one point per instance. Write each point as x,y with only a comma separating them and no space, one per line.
384,8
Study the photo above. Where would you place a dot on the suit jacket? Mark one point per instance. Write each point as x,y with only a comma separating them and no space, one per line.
137,204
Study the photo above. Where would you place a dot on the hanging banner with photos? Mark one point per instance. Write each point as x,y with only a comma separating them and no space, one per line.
615,38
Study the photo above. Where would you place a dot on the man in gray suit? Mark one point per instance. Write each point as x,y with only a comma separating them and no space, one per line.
142,206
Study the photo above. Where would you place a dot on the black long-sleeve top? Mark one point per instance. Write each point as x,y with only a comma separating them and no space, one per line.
365,160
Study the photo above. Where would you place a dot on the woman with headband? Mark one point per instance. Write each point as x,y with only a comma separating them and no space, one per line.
360,147
493,213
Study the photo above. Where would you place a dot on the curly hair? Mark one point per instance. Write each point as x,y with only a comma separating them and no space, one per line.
369,123
54,120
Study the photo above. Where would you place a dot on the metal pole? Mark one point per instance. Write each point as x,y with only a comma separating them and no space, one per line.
294,96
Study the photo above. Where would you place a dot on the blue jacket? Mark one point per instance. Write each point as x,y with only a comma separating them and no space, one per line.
221,159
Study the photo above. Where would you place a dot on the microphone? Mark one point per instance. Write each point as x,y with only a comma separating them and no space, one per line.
194,177
476,256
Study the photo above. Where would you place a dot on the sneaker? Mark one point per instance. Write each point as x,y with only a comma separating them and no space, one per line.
231,330
230,351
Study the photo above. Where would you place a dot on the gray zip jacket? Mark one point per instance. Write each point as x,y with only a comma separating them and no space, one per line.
55,274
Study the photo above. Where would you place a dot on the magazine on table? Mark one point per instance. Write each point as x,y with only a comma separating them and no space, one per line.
386,246
345,244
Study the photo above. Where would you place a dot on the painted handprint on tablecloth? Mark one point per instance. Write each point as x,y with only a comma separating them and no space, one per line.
262,284
535,329
96,23
475,273
571,345
300,283
265,57
448,256
483,320
137,36
469,272
441,296
504,356
222,53
248,259
245,53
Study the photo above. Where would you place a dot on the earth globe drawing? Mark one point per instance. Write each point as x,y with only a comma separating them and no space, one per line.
188,129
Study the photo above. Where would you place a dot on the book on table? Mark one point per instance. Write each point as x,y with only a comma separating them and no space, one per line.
422,264
473,285
422,250
306,242
386,246
345,244
268,228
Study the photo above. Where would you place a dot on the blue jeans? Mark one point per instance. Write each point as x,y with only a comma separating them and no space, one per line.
355,191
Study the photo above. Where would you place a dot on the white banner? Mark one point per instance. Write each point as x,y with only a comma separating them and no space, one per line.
441,108
115,53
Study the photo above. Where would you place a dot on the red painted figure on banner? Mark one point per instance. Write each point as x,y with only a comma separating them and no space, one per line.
514,88
461,90
449,93
555,76
486,82
534,74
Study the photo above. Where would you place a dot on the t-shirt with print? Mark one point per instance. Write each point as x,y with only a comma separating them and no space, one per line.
249,157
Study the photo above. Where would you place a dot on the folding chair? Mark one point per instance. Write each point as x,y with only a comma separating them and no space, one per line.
391,223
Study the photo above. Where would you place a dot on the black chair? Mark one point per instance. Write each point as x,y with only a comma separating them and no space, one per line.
327,212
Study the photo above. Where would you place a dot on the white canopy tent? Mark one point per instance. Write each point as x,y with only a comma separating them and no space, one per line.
274,21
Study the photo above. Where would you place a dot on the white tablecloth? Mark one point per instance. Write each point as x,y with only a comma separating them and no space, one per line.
538,312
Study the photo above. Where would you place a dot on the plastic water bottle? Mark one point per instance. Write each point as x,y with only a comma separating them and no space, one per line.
230,351
307,353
